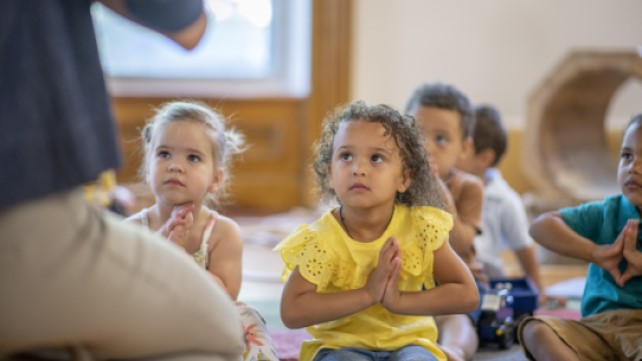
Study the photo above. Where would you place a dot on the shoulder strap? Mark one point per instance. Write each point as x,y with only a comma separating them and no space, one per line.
144,218
208,231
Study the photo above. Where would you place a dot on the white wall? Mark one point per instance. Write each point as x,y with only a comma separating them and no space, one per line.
496,51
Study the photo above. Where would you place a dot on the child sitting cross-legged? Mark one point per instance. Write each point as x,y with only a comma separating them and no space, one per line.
187,152
367,278
445,116
605,234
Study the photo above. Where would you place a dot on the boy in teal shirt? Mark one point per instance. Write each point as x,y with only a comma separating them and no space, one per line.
604,233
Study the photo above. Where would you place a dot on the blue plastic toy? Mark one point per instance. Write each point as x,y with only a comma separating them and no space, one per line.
503,307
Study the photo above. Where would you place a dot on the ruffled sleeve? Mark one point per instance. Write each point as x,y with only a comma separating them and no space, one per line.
432,226
304,248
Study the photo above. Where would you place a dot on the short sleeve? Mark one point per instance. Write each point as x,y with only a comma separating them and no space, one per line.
585,219
432,227
304,249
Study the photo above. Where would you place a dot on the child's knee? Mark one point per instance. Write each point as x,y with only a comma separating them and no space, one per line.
533,331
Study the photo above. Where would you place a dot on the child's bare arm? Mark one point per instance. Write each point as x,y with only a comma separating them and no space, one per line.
468,197
528,261
550,230
456,291
302,305
225,258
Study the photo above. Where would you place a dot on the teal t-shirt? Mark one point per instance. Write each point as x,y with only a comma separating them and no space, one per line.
602,222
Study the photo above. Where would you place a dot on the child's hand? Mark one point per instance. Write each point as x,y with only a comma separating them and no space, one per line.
177,227
378,280
608,257
392,294
630,252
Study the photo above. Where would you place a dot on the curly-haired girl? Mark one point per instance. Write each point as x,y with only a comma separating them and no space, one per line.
367,277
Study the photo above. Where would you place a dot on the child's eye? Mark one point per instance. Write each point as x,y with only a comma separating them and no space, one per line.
376,158
626,156
441,139
163,154
345,156
193,158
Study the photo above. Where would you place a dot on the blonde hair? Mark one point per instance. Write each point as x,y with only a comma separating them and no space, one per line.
226,142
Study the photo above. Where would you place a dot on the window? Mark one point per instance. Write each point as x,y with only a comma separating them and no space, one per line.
252,48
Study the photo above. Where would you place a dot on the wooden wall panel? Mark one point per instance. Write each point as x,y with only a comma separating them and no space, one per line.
267,175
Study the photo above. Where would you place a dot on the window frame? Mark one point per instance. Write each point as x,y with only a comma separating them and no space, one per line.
290,76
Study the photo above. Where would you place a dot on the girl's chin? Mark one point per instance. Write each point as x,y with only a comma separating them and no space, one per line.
175,201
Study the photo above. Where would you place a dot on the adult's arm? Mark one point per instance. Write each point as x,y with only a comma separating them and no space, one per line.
183,21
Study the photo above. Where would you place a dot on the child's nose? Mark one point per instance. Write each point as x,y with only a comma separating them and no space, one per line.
174,166
358,167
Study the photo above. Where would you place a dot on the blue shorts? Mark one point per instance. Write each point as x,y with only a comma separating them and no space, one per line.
406,353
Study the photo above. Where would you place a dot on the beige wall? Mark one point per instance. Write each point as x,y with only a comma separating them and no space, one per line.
511,164
496,51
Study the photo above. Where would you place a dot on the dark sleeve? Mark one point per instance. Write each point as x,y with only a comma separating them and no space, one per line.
166,15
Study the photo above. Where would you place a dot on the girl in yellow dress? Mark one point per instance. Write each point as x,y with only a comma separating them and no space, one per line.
367,278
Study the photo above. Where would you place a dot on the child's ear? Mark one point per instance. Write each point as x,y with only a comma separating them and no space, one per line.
405,183
219,175
468,148
487,156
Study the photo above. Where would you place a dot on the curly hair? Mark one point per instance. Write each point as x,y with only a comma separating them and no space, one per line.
423,189
226,142
444,96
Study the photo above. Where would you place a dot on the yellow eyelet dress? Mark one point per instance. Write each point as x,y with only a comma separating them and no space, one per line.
329,258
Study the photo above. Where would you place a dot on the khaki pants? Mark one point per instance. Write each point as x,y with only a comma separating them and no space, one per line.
75,276
610,335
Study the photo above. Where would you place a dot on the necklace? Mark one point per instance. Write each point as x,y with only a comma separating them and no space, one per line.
345,227
343,221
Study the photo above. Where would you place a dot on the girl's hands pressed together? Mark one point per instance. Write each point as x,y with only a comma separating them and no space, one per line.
177,227
378,280
392,295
